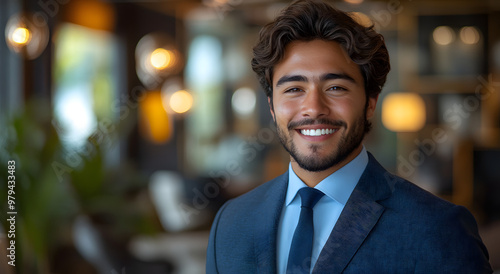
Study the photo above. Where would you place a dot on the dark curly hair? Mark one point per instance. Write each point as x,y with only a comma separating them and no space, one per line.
307,20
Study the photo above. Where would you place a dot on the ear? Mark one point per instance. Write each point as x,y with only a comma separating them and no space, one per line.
271,108
370,109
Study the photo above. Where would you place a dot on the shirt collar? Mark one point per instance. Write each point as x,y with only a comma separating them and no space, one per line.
338,185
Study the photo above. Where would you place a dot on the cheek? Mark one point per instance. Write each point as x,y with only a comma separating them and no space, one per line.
285,110
347,109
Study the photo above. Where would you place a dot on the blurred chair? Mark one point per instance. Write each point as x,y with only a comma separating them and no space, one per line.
88,242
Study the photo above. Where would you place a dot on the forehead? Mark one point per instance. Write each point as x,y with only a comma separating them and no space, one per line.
316,57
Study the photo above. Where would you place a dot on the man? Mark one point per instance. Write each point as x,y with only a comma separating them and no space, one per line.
336,210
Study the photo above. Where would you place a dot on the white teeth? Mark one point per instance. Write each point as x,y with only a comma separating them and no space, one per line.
317,132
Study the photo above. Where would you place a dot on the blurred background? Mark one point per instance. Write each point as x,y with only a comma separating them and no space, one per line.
131,121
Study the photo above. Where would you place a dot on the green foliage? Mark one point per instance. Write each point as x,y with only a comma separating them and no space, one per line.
49,199
42,201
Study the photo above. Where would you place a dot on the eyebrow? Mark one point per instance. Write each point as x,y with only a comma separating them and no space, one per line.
325,77
334,76
291,78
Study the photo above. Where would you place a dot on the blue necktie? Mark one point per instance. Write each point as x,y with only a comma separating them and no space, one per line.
299,259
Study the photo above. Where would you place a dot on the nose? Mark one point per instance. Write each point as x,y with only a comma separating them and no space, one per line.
314,105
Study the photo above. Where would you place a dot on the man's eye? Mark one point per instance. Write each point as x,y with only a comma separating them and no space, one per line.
293,90
337,88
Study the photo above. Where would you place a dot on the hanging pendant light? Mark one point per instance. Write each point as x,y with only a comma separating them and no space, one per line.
27,35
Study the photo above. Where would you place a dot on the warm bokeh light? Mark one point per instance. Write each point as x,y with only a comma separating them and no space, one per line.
169,87
161,58
155,123
27,35
469,35
157,59
243,101
443,35
403,112
361,19
95,14
355,2
181,101
20,36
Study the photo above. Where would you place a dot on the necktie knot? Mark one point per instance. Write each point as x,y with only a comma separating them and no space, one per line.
310,196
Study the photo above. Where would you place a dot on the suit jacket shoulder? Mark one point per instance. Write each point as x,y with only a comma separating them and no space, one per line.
405,229
243,234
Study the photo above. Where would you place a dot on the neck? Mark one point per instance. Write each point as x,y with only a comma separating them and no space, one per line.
312,178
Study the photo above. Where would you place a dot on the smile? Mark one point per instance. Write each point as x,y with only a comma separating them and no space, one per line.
317,132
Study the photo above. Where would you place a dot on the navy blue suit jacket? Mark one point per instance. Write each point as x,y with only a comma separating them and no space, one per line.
388,225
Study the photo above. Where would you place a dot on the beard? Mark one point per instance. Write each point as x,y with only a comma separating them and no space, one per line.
349,141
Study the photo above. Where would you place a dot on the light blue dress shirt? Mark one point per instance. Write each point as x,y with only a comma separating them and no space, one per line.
337,188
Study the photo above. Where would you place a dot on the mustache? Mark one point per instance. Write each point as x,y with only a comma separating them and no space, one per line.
309,122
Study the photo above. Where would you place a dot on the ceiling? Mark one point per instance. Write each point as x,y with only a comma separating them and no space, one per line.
256,8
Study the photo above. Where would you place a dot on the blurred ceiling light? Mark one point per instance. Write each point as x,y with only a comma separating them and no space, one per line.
156,59
181,101
27,35
169,87
155,124
161,58
354,2
244,101
469,35
361,19
443,35
21,36
403,112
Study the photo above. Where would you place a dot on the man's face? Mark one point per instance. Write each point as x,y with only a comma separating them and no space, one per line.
319,104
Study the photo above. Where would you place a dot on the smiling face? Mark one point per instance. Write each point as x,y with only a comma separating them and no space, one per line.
319,105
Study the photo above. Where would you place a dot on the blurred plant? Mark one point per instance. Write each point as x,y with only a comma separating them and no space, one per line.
47,204
43,204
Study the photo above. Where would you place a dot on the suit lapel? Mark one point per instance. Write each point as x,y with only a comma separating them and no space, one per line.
359,216
269,211
354,224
